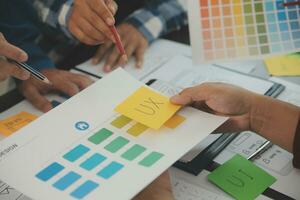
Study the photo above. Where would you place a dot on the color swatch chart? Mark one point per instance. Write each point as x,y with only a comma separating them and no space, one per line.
98,163
245,28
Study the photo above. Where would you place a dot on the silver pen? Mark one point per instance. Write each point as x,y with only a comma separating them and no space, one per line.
260,150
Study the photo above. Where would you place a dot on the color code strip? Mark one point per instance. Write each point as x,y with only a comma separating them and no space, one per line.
121,121
92,161
116,144
83,190
174,121
137,129
100,136
76,153
66,181
110,170
152,158
133,152
50,171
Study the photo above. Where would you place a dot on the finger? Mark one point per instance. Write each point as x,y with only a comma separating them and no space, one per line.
112,6
79,34
96,21
3,76
90,31
81,81
32,94
10,69
129,49
139,56
111,60
13,52
67,87
102,11
190,95
101,51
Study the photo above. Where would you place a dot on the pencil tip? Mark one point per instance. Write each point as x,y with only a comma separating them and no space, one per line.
47,81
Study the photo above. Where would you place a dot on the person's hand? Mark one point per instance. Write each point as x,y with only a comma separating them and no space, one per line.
8,69
159,189
62,82
90,20
221,99
134,43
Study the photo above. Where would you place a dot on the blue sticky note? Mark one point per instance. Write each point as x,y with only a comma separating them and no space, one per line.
84,189
50,171
110,170
67,180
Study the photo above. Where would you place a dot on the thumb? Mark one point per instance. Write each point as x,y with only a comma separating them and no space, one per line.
13,52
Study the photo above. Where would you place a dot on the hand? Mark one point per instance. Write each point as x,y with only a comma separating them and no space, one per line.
90,20
8,69
134,43
62,82
221,99
159,189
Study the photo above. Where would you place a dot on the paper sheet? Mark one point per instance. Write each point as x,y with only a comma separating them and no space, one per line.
44,151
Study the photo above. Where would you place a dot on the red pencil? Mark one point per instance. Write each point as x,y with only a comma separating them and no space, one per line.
291,3
118,40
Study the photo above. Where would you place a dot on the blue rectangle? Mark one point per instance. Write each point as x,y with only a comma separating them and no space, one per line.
83,190
272,28
66,181
279,5
288,46
274,38
297,44
271,18
283,27
110,170
50,171
292,15
285,36
296,35
93,161
269,6
281,16
295,25
76,153
276,48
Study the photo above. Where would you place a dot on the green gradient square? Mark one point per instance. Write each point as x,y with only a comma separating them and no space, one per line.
265,49
252,40
260,18
261,29
249,19
248,8
250,30
263,39
258,7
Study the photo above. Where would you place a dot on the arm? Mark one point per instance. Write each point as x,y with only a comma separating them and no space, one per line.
271,118
158,17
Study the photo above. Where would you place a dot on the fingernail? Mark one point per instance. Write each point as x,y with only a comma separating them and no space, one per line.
139,64
94,61
175,99
109,21
24,56
25,75
107,68
124,58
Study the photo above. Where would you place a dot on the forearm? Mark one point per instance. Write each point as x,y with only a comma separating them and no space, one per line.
274,120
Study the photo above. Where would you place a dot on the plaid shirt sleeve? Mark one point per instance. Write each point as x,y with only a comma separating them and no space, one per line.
159,17
55,13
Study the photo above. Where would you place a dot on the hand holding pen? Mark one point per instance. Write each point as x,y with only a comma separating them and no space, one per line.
7,68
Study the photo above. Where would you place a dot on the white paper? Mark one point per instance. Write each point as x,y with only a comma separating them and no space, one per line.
49,137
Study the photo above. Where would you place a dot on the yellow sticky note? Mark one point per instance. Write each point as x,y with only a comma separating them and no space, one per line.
147,107
285,65
12,124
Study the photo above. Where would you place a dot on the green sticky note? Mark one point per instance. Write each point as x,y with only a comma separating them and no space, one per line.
241,178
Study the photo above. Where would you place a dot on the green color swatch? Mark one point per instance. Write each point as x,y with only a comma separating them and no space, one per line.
152,158
133,152
116,144
100,136
241,178
121,121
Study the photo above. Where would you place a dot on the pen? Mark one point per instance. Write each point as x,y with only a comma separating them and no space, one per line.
260,150
32,71
118,40
291,3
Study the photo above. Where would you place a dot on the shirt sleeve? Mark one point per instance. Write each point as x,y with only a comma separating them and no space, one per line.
55,13
296,147
21,30
158,17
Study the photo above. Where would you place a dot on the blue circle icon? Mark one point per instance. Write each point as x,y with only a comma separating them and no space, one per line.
82,126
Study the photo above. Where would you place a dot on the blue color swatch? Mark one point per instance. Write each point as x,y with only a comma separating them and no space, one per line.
66,181
84,189
50,171
76,153
110,170
93,161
